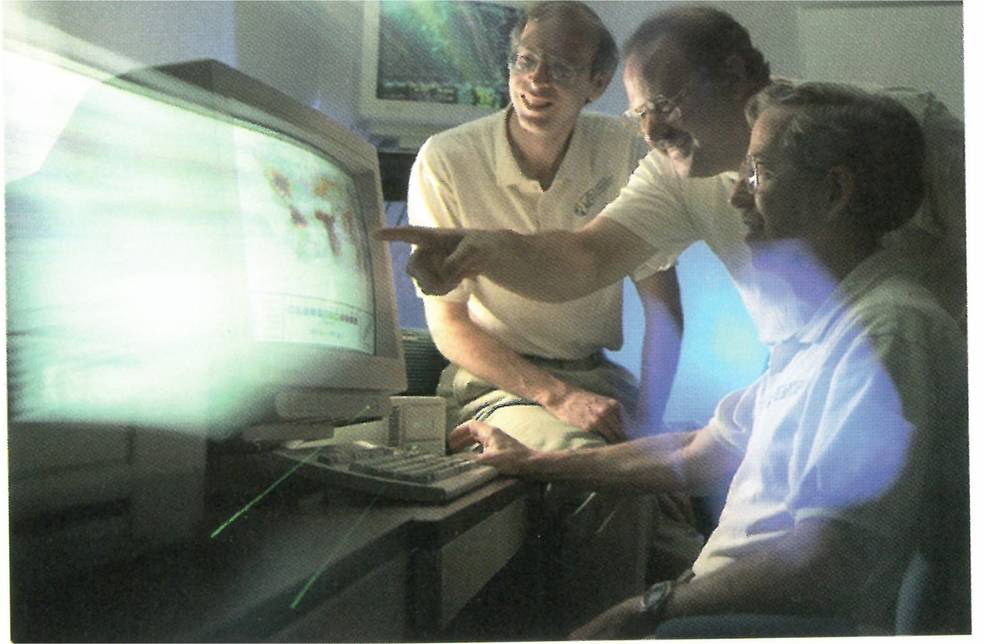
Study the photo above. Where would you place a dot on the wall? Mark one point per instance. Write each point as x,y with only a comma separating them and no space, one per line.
308,50
919,45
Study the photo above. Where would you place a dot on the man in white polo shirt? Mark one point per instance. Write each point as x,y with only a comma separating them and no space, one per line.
537,369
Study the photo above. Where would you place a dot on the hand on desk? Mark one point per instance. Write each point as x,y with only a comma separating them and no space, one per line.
499,449
442,257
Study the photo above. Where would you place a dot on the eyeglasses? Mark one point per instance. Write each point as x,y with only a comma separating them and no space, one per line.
668,109
561,72
752,173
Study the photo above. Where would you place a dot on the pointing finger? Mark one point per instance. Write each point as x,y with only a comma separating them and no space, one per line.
420,235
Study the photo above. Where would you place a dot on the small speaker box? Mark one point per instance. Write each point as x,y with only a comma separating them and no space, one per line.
418,422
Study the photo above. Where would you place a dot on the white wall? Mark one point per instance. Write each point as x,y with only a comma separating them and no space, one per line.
919,45
876,41
309,50
130,33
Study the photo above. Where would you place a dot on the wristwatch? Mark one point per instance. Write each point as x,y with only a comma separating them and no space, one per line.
654,600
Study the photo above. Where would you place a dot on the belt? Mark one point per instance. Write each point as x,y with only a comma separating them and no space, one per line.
590,361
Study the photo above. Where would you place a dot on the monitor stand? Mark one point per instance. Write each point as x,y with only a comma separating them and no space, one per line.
344,408
311,415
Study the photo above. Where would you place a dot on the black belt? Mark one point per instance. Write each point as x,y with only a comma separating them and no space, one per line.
590,361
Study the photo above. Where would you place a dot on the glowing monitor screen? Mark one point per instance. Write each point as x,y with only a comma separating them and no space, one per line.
444,52
177,255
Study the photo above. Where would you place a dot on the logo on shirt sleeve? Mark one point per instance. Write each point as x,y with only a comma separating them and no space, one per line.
587,200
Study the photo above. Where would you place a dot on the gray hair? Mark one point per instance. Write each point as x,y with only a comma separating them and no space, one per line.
606,54
874,136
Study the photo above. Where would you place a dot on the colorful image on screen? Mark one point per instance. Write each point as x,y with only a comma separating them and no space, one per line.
444,52
308,259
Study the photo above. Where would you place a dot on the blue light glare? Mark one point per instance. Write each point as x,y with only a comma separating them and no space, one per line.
720,350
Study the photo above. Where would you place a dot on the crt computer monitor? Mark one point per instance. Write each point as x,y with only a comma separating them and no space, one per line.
428,65
196,248
191,260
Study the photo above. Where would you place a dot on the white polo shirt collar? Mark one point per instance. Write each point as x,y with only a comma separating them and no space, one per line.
862,279
573,167
508,171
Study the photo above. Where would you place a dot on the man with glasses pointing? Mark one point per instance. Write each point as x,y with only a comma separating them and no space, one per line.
689,75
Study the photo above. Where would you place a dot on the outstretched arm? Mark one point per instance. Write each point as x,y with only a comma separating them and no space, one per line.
553,266
684,462
470,347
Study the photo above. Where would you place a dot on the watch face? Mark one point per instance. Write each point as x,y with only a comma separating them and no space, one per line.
656,595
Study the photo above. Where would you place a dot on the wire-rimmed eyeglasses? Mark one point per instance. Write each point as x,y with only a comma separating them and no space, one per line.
751,173
668,109
560,71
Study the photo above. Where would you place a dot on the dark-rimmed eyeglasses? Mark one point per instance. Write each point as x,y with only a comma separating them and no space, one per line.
560,71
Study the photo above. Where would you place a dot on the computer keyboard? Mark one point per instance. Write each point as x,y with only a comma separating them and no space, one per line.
404,474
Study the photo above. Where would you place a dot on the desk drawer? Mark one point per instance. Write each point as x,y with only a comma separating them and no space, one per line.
446,578
372,609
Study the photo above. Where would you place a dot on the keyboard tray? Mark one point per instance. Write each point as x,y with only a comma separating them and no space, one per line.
390,472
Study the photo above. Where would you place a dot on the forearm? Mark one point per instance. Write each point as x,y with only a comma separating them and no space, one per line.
664,463
549,267
664,327
557,266
811,572
554,266
815,571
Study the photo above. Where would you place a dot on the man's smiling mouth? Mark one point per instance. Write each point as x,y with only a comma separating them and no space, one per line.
534,103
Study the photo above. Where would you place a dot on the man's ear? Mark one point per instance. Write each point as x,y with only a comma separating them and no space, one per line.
840,184
599,83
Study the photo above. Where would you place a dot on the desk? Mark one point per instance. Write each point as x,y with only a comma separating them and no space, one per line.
300,565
